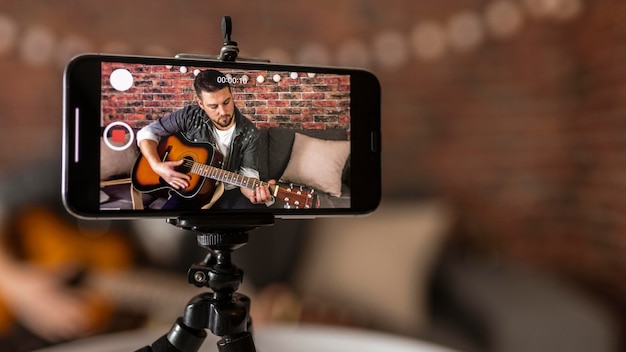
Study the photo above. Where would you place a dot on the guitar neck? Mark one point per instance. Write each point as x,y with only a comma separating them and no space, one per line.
292,197
225,176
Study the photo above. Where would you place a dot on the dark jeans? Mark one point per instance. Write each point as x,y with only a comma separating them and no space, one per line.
231,199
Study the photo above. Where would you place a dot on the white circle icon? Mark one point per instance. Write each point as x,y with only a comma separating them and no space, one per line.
121,79
118,138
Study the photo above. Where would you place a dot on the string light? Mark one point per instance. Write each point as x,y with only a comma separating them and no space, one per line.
354,53
390,48
69,47
557,9
117,47
314,54
503,18
8,34
276,55
465,31
37,46
428,40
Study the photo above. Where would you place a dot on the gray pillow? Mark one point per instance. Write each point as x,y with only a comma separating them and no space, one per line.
116,164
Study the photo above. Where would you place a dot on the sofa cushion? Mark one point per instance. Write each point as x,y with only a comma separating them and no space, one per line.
116,164
317,163
281,141
263,154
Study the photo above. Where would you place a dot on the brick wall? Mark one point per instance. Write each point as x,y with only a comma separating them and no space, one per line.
303,101
527,138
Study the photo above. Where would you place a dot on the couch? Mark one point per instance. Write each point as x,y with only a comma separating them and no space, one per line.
320,160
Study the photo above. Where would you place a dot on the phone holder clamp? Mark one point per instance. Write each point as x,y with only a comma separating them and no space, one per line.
229,50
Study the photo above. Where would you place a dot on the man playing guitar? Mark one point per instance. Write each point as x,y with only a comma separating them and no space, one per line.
214,120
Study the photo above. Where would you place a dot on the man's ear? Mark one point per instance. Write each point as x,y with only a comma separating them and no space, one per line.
199,101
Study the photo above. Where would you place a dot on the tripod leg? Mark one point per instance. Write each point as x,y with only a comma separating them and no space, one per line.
240,343
180,338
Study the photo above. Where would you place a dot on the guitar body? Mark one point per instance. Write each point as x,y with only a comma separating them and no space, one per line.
173,148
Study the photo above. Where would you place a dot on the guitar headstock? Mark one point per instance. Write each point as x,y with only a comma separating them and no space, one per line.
297,197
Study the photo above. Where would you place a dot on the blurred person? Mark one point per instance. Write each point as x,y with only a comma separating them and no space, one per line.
43,254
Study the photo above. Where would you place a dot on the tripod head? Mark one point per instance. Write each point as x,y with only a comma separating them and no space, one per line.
222,223
229,49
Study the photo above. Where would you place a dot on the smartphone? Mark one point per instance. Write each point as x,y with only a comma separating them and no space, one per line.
309,134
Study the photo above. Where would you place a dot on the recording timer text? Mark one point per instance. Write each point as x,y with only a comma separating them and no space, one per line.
233,80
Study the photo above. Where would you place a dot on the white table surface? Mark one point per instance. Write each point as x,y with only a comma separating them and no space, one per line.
279,338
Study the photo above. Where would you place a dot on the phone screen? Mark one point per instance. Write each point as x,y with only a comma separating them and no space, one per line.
246,137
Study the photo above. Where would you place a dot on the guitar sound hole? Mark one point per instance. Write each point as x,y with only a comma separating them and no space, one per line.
185,167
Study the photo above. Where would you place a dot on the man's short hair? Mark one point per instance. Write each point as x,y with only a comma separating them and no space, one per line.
210,81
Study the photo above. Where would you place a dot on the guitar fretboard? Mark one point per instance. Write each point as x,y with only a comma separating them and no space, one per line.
222,175
292,197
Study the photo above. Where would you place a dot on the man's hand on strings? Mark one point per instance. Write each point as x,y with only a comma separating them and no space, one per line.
167,171
258,195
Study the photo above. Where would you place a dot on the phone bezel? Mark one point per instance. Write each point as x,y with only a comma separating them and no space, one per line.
81,136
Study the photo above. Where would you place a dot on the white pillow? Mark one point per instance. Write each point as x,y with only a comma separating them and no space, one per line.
317,163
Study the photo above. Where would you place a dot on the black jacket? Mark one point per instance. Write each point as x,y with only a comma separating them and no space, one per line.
196,126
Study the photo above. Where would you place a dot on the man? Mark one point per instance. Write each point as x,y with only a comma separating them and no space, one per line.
217,121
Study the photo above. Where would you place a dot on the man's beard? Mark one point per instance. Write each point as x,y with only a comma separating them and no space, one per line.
224,121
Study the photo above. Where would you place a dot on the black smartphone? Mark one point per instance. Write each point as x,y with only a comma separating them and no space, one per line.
309,136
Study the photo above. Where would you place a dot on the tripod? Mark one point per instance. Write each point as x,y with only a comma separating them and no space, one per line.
223,311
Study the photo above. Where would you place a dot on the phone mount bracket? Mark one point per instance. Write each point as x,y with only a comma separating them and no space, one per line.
229,50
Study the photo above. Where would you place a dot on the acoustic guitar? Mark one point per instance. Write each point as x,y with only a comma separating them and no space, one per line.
203,163
108,280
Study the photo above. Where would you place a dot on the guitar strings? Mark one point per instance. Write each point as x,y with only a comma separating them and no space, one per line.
223,175
207,171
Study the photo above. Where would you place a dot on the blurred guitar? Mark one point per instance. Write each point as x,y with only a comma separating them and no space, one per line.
203,164
111,284
104,263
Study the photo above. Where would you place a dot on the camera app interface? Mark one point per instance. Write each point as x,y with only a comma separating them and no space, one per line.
192,138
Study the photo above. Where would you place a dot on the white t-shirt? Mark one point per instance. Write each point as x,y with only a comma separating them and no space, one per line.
224,140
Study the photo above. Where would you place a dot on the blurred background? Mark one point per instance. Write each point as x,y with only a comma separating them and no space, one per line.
503,128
